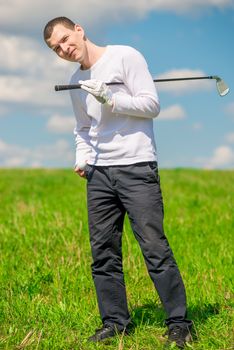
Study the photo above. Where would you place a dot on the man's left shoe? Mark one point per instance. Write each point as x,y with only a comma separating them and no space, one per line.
178,335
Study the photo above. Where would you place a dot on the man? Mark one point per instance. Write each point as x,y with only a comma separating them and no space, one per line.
114,137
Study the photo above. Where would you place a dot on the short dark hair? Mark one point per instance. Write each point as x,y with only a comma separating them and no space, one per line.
66,22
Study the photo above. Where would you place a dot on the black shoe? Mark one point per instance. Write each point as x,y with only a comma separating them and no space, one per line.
179,335
104,333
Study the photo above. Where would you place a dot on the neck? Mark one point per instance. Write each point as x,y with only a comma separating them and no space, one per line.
93,53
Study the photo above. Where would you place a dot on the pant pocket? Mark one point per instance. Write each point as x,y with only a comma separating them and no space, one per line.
89,169
153,172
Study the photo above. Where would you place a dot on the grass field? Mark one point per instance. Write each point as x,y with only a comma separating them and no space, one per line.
47,298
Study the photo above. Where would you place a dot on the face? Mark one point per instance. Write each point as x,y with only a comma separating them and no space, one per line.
68,44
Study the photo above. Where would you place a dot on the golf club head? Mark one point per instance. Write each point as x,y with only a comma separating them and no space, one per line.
222,87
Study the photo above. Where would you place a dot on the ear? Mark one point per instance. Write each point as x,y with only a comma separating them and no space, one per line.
79,29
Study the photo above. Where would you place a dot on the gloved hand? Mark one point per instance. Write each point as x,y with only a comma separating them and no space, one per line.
98,89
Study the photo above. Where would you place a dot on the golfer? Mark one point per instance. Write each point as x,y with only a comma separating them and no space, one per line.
115,139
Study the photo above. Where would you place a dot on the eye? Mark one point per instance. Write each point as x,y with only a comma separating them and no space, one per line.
56,48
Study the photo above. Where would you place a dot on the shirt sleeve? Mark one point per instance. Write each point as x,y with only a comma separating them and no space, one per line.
81,132
141,100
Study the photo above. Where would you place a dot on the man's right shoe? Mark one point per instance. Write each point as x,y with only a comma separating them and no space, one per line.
179,336
103,333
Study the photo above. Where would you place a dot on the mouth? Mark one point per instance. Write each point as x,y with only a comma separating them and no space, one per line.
71,54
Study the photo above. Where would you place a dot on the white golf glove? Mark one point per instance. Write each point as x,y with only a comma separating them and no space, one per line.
98,89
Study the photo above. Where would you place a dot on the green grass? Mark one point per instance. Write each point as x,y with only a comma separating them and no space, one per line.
47,297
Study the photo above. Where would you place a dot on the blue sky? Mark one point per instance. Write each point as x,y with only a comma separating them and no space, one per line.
177,38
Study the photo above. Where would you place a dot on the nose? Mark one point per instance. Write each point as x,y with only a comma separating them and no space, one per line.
64,47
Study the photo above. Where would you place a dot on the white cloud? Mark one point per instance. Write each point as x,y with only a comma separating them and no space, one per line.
93,12
3,111
174,112
31,73
230,137
30,90
182,87
15,162
57,154
60,124
197,126
20,53
223,156
27,90
25,55
13,155
230,109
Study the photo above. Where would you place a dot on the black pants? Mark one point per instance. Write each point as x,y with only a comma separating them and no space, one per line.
135,190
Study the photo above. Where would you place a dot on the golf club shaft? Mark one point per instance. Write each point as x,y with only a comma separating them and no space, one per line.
77,86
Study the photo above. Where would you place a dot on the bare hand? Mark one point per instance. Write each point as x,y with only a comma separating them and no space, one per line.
79,171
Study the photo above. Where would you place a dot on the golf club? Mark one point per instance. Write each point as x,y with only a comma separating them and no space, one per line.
222,87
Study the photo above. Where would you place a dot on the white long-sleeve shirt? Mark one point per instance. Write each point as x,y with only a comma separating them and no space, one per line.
123,134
